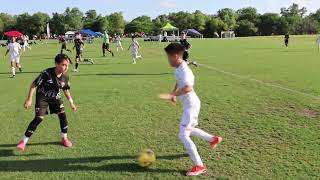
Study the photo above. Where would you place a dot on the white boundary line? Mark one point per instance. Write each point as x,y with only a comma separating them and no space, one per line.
261,82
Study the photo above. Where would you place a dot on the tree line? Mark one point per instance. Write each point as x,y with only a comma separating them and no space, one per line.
245,22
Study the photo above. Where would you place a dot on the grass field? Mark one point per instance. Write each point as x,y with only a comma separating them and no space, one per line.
259,96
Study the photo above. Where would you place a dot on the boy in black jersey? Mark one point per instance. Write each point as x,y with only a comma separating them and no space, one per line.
187,46
79,45
63,44
47,87
286,40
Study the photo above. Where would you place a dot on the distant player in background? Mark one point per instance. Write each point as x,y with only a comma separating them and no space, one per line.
135,46
15,52
118,42
63,44
318,43
25,39
286,40
79,46
187,46
47,88
106,44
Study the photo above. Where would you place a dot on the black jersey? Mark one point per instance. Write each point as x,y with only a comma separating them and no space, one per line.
286,37
49,85
78,43
185,43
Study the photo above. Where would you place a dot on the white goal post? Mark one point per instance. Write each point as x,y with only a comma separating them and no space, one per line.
228,34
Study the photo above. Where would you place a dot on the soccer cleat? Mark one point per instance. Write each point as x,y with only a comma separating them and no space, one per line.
75,70
215,141
197,170
21,146
66,142
194,63
13,76
112,54
20,69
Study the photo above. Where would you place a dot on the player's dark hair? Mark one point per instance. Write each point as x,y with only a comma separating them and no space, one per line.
174,48
60,58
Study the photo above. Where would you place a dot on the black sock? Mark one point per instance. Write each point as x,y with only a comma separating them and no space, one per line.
32,126
77,64
63,122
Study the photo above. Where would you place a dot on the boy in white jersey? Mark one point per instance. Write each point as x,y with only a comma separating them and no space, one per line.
15,50
25,39
118,42
134,50
191,108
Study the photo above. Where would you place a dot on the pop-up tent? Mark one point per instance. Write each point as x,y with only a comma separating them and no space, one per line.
99,33
88,32
170,27
192,32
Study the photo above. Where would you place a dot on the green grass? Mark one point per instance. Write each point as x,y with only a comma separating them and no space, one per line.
269,133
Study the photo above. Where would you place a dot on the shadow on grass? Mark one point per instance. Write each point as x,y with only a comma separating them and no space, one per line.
123,74
74,164
31,144
10,153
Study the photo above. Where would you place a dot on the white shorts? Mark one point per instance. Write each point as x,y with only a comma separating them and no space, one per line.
15,60
190,115
134,54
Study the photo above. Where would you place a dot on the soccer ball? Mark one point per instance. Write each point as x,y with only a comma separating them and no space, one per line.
146,158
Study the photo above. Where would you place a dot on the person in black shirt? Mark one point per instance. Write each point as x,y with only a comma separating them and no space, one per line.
47,87
78,45
64,44
187,46
286,40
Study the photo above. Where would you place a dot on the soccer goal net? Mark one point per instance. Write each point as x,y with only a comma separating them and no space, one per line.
228,34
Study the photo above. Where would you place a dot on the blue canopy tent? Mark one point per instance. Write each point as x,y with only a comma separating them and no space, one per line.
99,33
88,32
192,32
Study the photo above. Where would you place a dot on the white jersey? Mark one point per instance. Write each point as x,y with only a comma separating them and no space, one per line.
14,49
135,46
185,77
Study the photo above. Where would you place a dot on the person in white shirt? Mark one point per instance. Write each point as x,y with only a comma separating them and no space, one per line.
135,46
318,42
25,39
191,107
118,42
15,51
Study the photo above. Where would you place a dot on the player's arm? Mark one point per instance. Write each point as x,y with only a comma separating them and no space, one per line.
69,97
6,52
129,47
182,91
28,101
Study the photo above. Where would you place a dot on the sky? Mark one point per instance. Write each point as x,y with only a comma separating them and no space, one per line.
153,8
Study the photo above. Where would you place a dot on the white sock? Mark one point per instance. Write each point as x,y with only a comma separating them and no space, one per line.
13,69
201,134
25,139
64,135
134,60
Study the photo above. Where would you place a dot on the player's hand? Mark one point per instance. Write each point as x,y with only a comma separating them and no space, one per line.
28,103
73,107
174,99
166,96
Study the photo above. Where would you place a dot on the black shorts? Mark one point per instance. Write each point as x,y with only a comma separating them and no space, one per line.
79,53
64,46
105,46
185,56
42,103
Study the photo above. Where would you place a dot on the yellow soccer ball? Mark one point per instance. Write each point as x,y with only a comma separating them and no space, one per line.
146,158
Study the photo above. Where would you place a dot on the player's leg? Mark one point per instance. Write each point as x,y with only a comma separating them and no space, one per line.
103,49
134,57
13,69
40,111
186,126
108,49
18,64
57,107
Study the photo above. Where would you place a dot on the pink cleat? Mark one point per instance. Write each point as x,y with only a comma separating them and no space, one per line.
215,141
21,145
66,142
197,170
